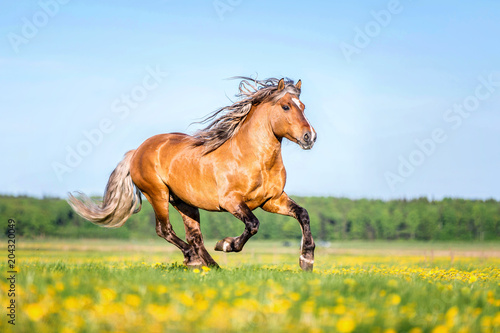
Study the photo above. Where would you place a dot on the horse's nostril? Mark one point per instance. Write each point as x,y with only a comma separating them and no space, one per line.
307,137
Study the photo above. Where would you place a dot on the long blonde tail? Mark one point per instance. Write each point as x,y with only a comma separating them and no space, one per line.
121,199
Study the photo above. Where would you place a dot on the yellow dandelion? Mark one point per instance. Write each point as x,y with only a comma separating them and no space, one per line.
346,324
249,304
282,306
107,294
486,321
71,303
35,311
158,312
472,279
67,330
496,320
133,300
450,316
294,296
59,286
440,329
394,299
477,311
201,305
161,290
186,299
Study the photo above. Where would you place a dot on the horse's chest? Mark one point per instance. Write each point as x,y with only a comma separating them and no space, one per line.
265,185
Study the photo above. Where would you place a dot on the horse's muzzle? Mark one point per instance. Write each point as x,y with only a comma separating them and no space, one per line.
307,141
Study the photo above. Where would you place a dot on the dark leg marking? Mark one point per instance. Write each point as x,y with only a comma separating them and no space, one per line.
191,217
164,229
235,244
306,259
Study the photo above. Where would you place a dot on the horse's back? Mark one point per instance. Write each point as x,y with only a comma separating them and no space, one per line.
159,147
174,160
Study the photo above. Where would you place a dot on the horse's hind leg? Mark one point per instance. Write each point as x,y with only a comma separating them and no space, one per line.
191,217
164,228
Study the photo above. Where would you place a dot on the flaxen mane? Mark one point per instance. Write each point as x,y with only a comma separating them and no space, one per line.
225,122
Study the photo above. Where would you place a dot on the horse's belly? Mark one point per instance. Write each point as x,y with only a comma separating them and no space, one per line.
193,183
202,198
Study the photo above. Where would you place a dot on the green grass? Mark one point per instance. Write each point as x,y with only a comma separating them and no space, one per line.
113,286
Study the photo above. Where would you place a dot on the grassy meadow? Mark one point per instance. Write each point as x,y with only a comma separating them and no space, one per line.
126,286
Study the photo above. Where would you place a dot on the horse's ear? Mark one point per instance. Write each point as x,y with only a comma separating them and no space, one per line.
281,85
298,84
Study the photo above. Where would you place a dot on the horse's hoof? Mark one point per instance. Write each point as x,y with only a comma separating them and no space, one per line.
219,246
194,265
306,264
224,245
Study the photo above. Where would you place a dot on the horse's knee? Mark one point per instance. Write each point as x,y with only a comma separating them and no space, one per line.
163,231
194,238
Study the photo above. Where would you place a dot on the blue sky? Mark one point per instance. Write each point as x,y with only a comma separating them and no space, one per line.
404,95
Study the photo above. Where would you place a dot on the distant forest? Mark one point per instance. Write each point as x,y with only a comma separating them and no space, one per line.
331,219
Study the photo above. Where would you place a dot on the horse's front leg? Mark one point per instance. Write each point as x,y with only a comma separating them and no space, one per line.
240,210
285,206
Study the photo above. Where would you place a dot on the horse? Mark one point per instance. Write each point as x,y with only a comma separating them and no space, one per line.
232,165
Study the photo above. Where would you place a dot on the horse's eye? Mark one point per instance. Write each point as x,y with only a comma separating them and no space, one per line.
285,107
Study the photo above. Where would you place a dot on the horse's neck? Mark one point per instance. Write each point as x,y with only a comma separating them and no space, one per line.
256,136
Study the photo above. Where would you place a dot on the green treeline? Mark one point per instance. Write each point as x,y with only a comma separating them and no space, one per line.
331,219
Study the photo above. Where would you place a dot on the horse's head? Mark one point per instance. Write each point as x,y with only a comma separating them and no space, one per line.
288,119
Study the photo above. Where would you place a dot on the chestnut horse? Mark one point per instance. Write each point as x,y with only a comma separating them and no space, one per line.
233,165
